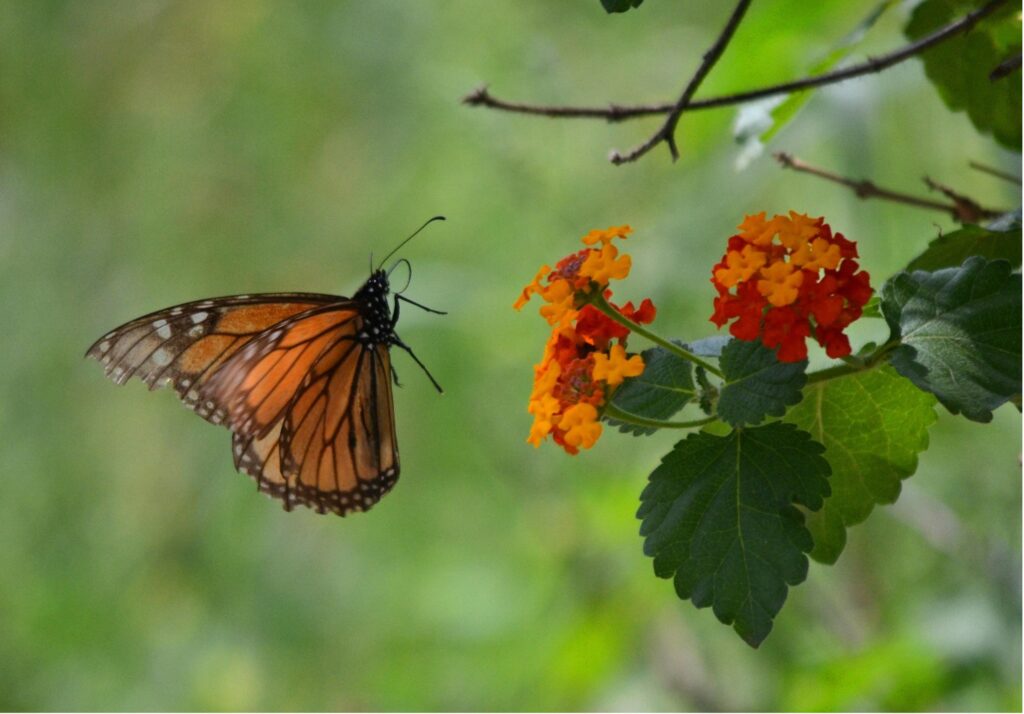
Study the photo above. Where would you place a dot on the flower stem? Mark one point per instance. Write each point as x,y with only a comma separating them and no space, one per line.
854,365
598,301
610,410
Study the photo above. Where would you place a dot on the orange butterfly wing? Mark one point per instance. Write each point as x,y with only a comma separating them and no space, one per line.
185,345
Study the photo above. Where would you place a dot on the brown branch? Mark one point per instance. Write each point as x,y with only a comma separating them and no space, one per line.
967,209
667,132
962,209
620,112
995,172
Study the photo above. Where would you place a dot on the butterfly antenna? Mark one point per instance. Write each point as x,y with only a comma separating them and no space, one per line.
385,259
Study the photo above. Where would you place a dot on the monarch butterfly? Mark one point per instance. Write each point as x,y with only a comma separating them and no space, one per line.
302,380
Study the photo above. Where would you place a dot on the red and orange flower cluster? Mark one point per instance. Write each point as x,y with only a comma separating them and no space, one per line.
585,358
787,279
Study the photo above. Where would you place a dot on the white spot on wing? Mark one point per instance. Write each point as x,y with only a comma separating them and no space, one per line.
164,331
199,317
162,357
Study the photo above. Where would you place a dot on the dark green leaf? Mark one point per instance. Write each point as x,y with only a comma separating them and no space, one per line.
665,386
718,515
873,425
959,67
757,385
960,333
1001,240
620,5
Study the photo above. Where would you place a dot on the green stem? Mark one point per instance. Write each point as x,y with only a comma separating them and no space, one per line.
853,365
598,301
610,410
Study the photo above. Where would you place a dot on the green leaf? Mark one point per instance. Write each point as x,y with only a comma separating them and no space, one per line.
873,308
1001,240
960,333
758,122
789,108
959,67
873,425
718,516
620,5
757,385
665,386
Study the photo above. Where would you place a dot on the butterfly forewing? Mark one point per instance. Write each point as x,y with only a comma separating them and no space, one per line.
186,344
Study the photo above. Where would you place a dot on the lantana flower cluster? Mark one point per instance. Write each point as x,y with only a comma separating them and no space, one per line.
788,278
585,358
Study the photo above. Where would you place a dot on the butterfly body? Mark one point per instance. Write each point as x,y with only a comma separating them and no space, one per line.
302,380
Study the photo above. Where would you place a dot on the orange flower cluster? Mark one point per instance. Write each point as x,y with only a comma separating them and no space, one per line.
787,279
585,358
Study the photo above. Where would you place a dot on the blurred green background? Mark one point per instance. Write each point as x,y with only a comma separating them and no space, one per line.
157,152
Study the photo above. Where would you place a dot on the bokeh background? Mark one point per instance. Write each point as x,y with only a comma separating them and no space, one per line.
156,152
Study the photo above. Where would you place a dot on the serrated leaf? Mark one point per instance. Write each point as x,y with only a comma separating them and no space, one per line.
757,385
873,425
611,6
959,330
719,517
664,388
959,67
1000,241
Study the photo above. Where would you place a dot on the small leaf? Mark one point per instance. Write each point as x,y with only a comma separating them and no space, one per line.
828,532
718,516
873,308
757,385
611,6
1001,240
664,388
758,122
873,425
959,330
795,101
959,67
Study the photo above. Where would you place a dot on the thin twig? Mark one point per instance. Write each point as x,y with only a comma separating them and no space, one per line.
1005,68
967,209
621,112
995,172
962,209
667,131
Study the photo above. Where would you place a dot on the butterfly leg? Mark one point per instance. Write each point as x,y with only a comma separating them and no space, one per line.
396,341
413,302
394,376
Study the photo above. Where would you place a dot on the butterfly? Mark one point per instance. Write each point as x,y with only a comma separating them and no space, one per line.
302,381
